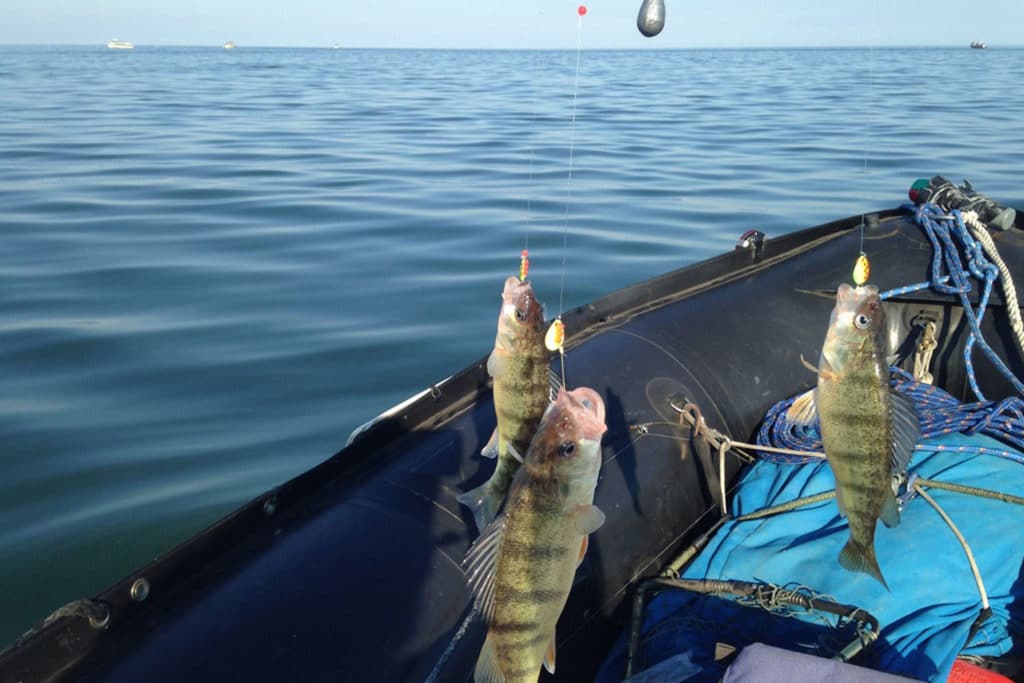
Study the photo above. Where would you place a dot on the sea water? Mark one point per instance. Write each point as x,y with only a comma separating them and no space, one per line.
215,264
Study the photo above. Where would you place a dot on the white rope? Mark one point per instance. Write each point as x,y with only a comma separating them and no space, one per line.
723,448
716,439
980,233
723,444
926,346
960,537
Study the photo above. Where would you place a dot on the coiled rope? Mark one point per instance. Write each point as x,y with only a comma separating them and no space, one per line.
980,233
946,231
940,414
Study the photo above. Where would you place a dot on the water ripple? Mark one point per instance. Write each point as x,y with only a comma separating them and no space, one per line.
216,264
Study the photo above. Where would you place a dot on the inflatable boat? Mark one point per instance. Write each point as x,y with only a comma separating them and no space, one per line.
352,570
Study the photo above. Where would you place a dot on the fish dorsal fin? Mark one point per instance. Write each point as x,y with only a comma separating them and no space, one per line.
549,656
588,518
906,431
487,668
495,364
491,449
554,383
481,565
804,410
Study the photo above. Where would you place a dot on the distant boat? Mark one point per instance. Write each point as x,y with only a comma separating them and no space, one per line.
978,46
229,45
116,44
336,47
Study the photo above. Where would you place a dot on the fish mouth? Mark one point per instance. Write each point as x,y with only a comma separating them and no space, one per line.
854,295
588,408
518,297
513,287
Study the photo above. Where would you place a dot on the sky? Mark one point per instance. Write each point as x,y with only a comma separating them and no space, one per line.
512,24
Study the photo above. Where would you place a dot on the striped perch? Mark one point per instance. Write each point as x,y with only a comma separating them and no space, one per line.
520,368
868,431
521,567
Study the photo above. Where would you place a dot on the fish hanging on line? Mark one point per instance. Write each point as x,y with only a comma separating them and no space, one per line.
521,567
523,387
868,430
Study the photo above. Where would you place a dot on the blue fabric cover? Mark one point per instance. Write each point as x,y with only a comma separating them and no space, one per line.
934,600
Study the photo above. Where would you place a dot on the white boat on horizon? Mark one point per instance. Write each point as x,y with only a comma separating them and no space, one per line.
116,44
230,45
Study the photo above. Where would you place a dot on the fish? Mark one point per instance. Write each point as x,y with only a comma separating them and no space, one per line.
521,567
520,366
868,430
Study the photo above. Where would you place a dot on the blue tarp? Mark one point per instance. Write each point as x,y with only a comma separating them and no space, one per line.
927,616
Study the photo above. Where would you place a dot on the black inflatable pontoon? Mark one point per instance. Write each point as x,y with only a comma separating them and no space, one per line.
350,572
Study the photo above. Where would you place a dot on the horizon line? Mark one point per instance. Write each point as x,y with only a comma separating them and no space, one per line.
509,49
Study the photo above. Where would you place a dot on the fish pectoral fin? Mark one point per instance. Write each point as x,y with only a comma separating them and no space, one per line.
554,383
514,452
804,410
491,449
549,656
890,515
481,564
487,668
484,502
807,364
495,364
826,368
906,431
588,518
839,502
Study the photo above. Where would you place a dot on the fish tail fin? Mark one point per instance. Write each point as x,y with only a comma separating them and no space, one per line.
484,502
487,668
861,558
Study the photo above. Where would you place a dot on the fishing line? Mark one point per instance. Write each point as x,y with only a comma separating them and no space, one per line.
861,269
555,337
581,12
524,261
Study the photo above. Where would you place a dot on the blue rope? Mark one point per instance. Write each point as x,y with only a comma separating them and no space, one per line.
941,229
940,414
899,291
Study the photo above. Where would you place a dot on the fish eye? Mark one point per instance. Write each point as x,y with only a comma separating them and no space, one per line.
520,314
567,449
861,321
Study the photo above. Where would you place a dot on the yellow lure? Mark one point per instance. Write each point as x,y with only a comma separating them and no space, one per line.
861,270
555,337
